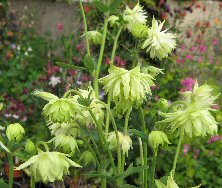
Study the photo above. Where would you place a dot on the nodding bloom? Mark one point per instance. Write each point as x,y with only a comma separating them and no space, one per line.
194,118
127,87
95,37
157,138
159,43
113,20
49,166
134,16
15,132
139,30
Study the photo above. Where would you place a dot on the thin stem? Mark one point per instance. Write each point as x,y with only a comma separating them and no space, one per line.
85,27
32,181
107,115
66,94
115,45
96,79
44,144
103,182
11,170
153,170
177,153
145,148
141,154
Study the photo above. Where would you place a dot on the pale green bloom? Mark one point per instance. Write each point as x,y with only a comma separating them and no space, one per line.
170,183
15,132
134,16
127,87
139,30
126,144
1,106
30,146
49,166
60,110
157,138
195,118
45,95
163,105
95,37
113,20
153,71
65,143
159,43
97,108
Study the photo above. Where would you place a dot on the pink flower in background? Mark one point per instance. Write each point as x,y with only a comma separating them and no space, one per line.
193,48
214,139
216,107
215,41
189,57
188,84
186,149
183,48
60,26
202,48
180,61
196,153
201,59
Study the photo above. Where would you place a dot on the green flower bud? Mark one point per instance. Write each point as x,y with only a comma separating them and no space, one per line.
95,37
45,95
157,138
65,143
113,20
139,30
49,166
29,147
15,132
163,105
60,110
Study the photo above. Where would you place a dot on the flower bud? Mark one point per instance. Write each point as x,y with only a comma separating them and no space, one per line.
139,30
30,147
95,37
157,138
45,95
163,105
113,20
15,132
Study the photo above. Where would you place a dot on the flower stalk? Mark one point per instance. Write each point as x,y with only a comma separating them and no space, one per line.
11,168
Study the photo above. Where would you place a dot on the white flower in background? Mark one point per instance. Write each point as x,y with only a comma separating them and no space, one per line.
159,43
29,49
26,53
134,16
54,81
15,116
18,48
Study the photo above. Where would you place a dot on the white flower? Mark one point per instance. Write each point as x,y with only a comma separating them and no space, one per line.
54,81
134,16
159,43
29,49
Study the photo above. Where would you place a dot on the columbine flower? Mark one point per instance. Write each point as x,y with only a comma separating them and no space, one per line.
126,144
195,118
159,43
95,37
30,146
65,143
127,87
134,16
63,128
113,20
15,132
139,30
157,138
112,139
54,81
49,166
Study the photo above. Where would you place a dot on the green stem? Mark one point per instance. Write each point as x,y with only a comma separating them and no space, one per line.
96,79
85,27
153,169
145,148
107,115
115,45
141,154
32,181
103,140
11,168
177,153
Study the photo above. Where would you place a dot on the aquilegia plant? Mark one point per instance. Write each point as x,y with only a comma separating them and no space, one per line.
84,129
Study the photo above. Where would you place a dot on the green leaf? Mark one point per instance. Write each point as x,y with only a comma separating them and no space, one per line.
69,66
114,4
103,8
3,184
140,134
96,174
128,186
89,63
132,170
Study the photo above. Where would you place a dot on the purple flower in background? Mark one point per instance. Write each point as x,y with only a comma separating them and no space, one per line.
193,48
201,59
189,57
186,149
215,41
214,139
196,153
202,48
188,84
60,26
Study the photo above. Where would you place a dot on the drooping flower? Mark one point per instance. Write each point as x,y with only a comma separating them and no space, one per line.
63,128
139,30
194,118
112,139
157,138
113,20
159,43
127,87
95,37
15,132
134,16
49,166
126,144
54,81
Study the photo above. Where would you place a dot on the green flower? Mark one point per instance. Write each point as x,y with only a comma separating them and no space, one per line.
126,144
49,166
127,87
139,30
112,139
159,43
157,138
45,95
61,110
113,20
30,147
153,71
65,143
95,37
97,108
194,118
163,105
15,132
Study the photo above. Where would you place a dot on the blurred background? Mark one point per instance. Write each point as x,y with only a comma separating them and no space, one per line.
35,34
